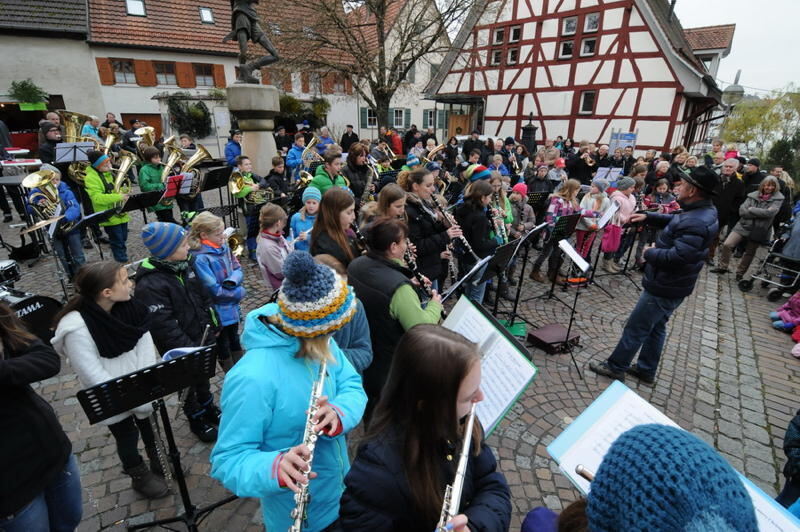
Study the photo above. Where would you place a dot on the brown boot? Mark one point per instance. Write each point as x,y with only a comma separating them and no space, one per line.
146,482
555,276
537,276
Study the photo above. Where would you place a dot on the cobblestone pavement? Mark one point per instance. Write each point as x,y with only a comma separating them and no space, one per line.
726,375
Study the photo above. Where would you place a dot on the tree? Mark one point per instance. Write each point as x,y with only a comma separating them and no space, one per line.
764,121
374,44
782,154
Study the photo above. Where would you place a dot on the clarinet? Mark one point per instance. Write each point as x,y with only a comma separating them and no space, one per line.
362,242
498,222
451,221
452,493
412,265
310,436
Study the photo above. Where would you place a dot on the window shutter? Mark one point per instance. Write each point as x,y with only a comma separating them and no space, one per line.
348,86
407,118
266,76
364,118
287,81
304,83
105,70
219,76
411,76
391,117
145,73
425,115
441,119
327,83
184,74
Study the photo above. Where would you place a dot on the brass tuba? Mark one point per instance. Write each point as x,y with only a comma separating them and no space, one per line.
46,200
122,184
431,154
310,154
111,139
73,124
197,157
175,155
236,184
148,139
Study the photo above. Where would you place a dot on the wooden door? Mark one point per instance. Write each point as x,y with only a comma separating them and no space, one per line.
458,125
153,120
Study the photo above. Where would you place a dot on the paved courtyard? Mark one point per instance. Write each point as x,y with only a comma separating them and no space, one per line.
726,375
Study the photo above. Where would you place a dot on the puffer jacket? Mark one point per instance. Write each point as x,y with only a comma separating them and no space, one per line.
221,274
71,207
756,215
150,179
263,417
377,495
681,249
323,181
180,305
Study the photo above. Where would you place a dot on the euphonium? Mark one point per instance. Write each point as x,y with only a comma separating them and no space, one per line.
310,436
148,139
45,201
431,154
200,155
122,184
236,184
73,124
452,493
111,139
175,155
310,154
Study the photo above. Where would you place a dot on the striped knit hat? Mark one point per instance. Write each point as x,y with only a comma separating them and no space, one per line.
162,238
313,300
475,172
412,160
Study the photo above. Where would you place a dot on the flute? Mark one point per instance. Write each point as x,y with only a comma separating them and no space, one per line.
452,493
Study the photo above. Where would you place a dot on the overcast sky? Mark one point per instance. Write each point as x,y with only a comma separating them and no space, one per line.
765,42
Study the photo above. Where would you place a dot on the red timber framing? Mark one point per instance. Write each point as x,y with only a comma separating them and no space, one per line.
476,77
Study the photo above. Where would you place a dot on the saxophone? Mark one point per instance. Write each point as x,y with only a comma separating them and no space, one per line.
310,437
452,493
498,222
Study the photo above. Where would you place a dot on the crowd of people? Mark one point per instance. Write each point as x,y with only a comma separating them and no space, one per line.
356,272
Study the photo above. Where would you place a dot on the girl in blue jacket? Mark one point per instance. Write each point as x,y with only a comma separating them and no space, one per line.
303,221
265,397
397,481
219,270
67,245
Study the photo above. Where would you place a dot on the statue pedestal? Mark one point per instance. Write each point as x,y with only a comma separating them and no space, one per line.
254,107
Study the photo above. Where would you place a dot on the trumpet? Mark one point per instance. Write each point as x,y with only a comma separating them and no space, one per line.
310,437
452,493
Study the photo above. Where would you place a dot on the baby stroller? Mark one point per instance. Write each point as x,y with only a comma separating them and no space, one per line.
780,269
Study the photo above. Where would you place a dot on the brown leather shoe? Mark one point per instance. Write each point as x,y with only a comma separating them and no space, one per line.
536,276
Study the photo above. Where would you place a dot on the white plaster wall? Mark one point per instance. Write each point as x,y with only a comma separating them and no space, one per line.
529,105
529,28
524,54
554,129
652,133
483,37
560,74
541,78
588,3
636,18
628,102
612,18
615,124
654,69
588,129
584,71
566,5
59,66
549,27
524,80
537,7
556,103
606,100
657,102
606,72
626,74
496,104
642,42
507,13
522,11
605,43
450,84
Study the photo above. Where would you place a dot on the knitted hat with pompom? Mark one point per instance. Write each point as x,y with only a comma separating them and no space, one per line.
313,300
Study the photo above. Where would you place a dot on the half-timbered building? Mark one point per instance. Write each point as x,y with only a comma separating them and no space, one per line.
582,68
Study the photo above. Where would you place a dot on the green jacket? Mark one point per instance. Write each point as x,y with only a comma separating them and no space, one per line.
246,189
150,179
98,187
322,181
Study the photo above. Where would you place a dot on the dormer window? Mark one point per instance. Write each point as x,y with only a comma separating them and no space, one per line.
136,8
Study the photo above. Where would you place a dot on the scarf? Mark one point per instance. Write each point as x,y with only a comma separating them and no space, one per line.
429,210
118,331
764,197
177,267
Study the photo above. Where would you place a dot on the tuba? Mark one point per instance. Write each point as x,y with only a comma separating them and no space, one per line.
236,184
73,124
111,139
148,139
175,155
45,201
309,154
432,154
197,157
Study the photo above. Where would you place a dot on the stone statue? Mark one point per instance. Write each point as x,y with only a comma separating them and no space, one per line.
246,27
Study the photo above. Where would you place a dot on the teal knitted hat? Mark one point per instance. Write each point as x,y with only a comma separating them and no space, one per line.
412,160
312,193
660,478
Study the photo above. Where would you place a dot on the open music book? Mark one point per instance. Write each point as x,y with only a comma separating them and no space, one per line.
505,364
587,439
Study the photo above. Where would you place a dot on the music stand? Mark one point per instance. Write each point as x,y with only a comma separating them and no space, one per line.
521,243
499,263
142,200
631,230
537,199
73,152
563,229
96,218
152,384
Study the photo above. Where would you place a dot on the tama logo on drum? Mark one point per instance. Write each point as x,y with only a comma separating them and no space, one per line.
24,311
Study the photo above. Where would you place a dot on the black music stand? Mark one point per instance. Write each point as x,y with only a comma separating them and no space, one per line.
523,245
537,201
152,384
94,219
216,178
142,201
15,181
563,229
499,263
631,230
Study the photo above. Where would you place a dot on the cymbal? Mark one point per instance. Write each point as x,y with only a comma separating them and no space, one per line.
39,225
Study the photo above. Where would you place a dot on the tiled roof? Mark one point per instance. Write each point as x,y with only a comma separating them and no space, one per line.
169,25
710,37
44,15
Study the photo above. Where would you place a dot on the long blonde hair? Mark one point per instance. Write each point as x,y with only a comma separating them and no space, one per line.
317,348
205,222
569,190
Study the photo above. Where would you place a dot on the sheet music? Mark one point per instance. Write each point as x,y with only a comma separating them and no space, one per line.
505,370
186,183
525,237
607,215
572,253
589,443
53,227
478,265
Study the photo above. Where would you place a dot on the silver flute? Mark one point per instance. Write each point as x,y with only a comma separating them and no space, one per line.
452,493
452,221
310,436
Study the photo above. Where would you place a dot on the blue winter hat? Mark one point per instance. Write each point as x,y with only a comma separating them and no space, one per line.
412,160
313,300
624,183
312,193
433,166
162,238
661,478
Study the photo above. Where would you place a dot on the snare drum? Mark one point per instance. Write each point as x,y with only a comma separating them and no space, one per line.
36,312
9,272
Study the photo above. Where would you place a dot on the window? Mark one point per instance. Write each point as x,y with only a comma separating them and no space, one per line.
569,26
499,35
565,49
315,82
397,118
513,56
204,75
338,82
372,118
587,102
706,63
588,47
496,57
411,74
165,73
515,34
136,8
428,117
592,22
206,15
123,71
